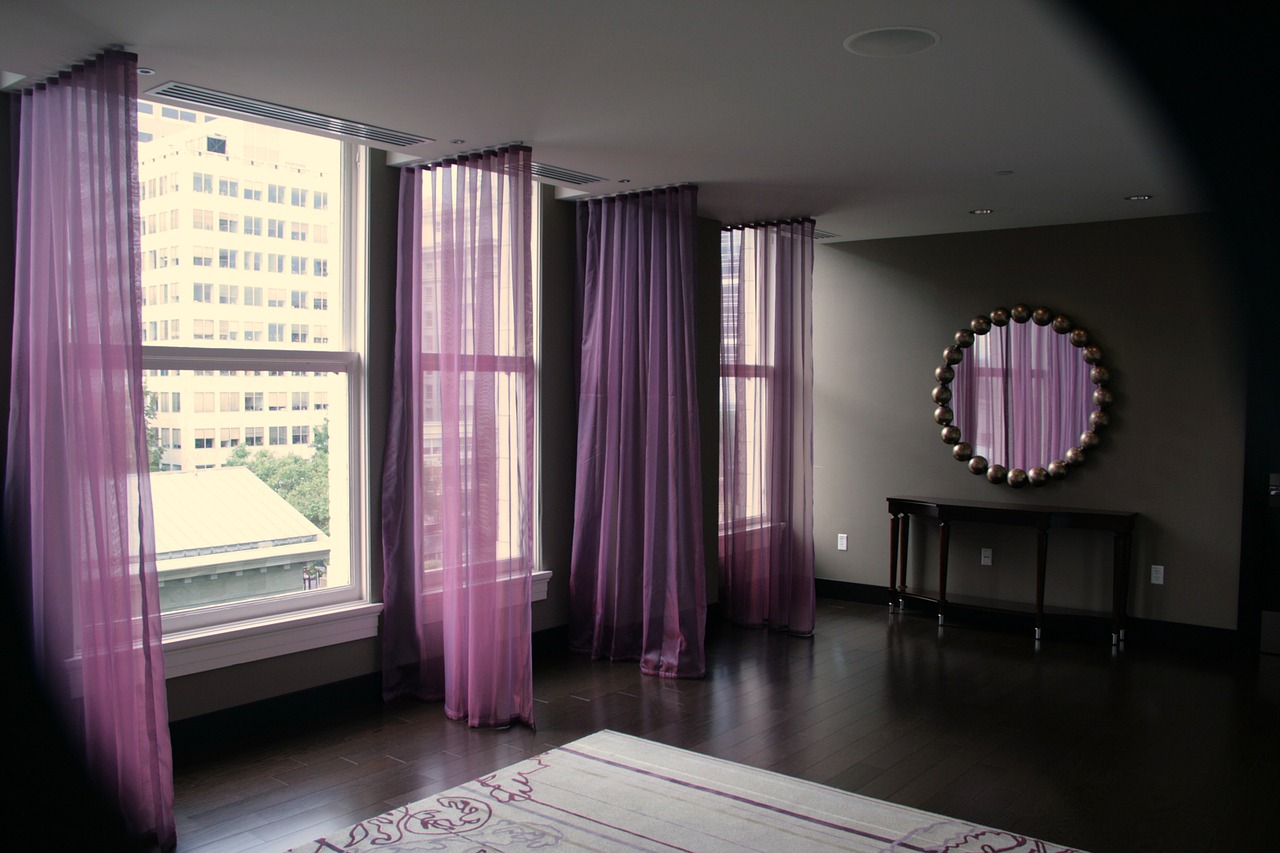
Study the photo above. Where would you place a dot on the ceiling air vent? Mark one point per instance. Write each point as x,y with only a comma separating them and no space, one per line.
824,235
183,93
558,175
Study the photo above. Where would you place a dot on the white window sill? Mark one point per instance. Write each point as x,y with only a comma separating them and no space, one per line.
191,652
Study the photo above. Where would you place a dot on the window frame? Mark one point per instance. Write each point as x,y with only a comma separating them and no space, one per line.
225,634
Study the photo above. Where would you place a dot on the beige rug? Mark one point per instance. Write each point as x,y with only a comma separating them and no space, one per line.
610,791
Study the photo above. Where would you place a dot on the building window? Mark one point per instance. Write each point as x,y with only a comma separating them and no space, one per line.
275,193
301,401
230,437
202,182
228,223
320,200
275,297
253,296
214,145
275,228
321,267
202,256
275,333
227,259
228,401
253,436
298,231
252,331
275,263
229,187
202,219
320,301
202,330
297,265
253,401
276,400
278,435
202,292
228,330
252,191
301,435
298,298
204,439
298,197
228,294
298,333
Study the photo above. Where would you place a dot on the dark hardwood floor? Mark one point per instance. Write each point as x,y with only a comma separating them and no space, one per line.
1144,750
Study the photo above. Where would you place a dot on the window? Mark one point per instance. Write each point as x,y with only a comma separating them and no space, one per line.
297,265
321,267
229,436
298,298
320,302
320,200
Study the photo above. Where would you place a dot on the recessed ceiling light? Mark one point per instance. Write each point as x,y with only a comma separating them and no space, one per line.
1004,172
457,141
891,41
624,180
1138,198
146,72
981,211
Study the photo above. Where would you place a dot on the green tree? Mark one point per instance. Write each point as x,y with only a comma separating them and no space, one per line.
154,451
303,482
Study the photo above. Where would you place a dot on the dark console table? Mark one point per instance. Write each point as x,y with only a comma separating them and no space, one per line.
1042,518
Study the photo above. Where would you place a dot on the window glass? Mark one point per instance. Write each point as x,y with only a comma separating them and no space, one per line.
267,473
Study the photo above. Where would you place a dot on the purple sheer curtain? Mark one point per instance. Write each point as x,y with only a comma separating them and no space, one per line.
457,476
1022,395
766,425
637,583
77,495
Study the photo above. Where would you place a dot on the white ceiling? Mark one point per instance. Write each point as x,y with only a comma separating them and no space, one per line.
755,101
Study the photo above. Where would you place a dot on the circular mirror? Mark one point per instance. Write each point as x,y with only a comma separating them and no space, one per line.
1022,396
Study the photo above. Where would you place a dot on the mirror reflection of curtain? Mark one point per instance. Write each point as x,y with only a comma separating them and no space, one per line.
1022,395
77,503
637,582
457,479
766,425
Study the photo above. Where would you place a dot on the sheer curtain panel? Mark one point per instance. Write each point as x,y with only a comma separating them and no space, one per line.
766,425
77,497
457,475
637,582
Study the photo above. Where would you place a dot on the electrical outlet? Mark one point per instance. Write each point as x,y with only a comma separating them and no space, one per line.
842,541
1157,574
986,556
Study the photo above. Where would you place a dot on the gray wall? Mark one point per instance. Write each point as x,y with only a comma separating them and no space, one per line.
1153,296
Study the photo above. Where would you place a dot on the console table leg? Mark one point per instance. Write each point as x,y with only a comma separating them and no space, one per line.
894,523
944,543
1042,558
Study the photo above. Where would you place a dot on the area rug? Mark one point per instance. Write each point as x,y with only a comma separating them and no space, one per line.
610,791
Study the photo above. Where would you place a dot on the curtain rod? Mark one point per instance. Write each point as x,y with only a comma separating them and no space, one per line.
640,191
